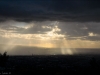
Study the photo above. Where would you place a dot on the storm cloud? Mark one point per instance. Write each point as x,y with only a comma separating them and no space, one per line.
52,10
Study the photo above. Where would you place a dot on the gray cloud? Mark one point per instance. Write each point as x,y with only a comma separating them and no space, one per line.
53,10
83,31
71,30
28,28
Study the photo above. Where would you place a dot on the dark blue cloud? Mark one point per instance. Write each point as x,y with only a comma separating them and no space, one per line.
40,10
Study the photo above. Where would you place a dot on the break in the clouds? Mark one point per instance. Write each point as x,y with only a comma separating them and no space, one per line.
49,24
51,29
69,30
37,10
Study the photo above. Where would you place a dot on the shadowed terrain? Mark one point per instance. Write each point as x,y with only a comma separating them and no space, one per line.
53,65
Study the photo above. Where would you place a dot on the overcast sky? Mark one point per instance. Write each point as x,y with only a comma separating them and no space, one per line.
31,24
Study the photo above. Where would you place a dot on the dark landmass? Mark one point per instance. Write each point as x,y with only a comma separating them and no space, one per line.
52,65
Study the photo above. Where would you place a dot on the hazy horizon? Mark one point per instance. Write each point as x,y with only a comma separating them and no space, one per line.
33,50
49,24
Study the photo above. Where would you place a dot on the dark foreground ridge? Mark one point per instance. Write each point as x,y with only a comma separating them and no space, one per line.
52,65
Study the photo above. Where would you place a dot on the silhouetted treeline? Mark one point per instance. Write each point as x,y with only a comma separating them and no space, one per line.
3,59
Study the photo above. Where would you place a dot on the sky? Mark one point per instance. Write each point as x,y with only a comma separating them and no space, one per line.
49,26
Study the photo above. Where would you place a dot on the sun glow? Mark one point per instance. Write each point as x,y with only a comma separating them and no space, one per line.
50,36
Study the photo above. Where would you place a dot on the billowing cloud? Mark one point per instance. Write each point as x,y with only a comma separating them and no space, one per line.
54,29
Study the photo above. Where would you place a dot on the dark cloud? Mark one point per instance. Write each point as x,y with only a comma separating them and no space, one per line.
71,30
83,31
26,28
93,38
36,29
74,29
37,10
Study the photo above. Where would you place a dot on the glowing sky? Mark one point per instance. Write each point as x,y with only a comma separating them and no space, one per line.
48,34
49,24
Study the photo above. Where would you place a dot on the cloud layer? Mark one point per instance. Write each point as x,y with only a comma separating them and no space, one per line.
51,29
49,24
52,10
